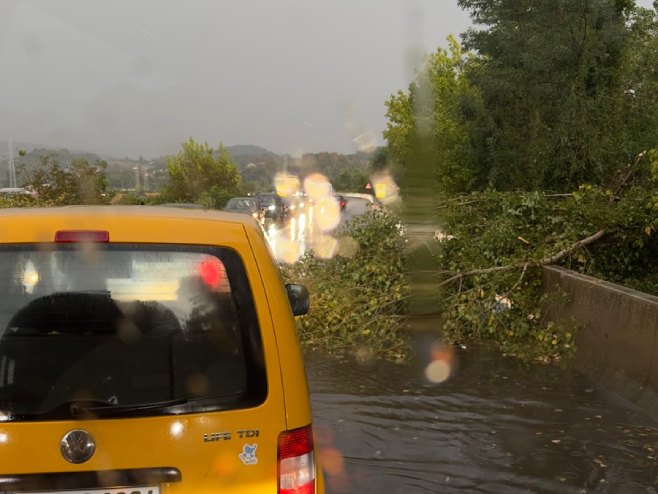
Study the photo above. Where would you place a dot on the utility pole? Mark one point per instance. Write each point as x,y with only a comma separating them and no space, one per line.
138,187
12,166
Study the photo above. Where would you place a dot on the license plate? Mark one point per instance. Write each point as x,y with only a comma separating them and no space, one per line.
122,490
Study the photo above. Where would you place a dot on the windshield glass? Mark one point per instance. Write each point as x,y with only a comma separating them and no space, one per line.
142,330
241,203
267,200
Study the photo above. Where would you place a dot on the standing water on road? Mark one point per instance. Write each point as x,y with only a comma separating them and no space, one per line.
496,426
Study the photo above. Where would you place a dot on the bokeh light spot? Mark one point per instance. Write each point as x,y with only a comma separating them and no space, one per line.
211,272
176,429
327,214
30,277
438,371
317,186
287,251
286,185
325,246
386,190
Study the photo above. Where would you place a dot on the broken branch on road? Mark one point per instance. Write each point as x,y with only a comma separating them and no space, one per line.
524,265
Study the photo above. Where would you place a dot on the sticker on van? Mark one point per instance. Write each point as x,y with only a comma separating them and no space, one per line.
248,455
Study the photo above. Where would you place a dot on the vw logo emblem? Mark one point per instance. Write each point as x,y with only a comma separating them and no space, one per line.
77,446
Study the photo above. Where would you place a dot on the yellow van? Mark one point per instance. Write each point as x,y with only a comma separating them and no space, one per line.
149,350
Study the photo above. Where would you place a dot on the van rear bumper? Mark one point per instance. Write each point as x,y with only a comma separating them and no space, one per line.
89,480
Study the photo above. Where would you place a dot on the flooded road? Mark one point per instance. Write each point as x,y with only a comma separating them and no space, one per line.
496,426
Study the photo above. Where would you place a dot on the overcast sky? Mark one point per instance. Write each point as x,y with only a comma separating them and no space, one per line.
133,77
137,77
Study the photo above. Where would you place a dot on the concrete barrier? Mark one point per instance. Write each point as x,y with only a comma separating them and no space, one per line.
616,336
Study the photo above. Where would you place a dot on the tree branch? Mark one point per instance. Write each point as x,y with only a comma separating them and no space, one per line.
524,265
563,253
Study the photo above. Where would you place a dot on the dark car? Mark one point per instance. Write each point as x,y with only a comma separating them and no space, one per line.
272,206
246,205
341,202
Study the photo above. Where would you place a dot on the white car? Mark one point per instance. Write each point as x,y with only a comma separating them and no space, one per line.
358,203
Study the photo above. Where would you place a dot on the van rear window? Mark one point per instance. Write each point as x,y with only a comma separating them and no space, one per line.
113,330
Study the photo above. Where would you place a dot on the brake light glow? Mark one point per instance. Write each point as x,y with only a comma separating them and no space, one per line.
211,272
296,462
74,236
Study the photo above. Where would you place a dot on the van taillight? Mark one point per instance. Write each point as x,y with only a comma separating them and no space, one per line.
296,463
73,236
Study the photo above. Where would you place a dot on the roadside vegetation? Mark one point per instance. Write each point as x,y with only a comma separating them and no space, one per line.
358,296
201,175
536,133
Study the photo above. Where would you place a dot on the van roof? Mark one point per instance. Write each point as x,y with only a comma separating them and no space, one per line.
118,218
131,211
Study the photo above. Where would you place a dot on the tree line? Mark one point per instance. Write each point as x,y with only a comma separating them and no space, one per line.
538,95
198,173
535,133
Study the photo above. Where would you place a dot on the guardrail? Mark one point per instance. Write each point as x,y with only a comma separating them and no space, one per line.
616,333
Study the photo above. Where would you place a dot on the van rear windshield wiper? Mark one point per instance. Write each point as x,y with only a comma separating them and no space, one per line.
90,408
83,408
96,408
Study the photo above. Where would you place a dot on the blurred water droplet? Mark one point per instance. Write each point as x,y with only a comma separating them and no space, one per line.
287,251
386,190
30,277
438,371
364,355
347,247
325,246
128,331
286,185
365,142
317,186
327,214
197,385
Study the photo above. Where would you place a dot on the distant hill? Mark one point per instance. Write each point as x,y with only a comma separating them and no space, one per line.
34,157
241,150
256,165
28,147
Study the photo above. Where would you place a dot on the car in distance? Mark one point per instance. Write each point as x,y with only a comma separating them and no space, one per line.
149,350
342,202
295,205
247,205
358,203
272,206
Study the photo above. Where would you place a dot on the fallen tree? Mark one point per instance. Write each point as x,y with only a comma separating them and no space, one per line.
493,245
358,295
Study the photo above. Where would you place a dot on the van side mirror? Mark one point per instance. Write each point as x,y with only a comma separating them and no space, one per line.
299,298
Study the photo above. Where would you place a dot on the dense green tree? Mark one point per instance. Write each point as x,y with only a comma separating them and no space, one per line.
380,159
432,124
640,81
79,182
346,172
349,180
552,75
200,174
